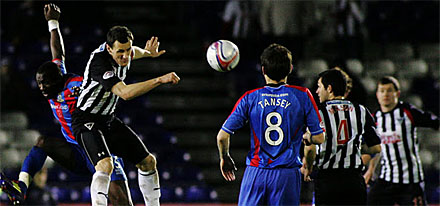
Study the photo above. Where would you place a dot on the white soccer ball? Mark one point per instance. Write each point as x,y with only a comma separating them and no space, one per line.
223,55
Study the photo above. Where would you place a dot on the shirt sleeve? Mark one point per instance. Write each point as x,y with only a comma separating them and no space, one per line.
238,116
370,135
313,119
61,65
421,118
102,71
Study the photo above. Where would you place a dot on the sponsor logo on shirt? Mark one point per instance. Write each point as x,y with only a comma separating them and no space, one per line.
62,107
390,138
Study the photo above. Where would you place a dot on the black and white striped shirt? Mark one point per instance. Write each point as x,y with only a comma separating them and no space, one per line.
400,144
101,74
347,125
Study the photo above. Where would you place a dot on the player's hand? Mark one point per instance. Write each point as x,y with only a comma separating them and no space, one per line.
227,167
306,172
169,78
51,12
152,47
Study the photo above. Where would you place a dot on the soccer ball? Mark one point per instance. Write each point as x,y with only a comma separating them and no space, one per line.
223,55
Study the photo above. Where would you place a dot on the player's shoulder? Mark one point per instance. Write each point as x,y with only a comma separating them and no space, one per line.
299,88
252,91
71,77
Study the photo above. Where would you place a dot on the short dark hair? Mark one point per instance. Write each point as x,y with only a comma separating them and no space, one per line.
335,78
119,33
347,78
49,69
277,61
389,80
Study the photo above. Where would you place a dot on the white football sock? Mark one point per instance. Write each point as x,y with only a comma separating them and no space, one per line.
99,188
149,185
25,177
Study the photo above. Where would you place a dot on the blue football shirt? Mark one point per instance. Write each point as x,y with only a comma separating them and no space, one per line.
278,116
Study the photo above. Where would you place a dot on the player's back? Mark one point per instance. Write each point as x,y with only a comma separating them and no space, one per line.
277,117
346,125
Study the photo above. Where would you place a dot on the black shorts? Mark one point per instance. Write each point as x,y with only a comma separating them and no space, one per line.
101,135
387,193
340,187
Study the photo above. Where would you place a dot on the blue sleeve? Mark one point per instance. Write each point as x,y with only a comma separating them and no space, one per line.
61,65
238,116
313,119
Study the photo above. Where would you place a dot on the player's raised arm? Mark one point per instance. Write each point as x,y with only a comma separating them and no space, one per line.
151,49
52,14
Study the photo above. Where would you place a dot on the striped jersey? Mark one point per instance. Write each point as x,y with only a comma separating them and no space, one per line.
101,74
400,145
64,104
277,116
347,126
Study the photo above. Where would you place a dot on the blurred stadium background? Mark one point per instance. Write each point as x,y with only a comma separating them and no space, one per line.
179,123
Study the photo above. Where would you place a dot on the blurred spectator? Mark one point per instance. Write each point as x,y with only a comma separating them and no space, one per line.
241,25
38,194
349,21
281,21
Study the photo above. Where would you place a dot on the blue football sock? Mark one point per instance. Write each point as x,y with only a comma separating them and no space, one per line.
34,161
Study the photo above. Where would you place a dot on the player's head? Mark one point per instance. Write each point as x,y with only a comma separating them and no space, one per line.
49,80
276,62
119,44
331,84
388,91
349,81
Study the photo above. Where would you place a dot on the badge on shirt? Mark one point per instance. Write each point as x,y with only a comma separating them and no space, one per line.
60,98
108,75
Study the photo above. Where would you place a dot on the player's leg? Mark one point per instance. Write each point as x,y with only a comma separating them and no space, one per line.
324,188
252,187
33,163
119,193
283,186
411,194
134,150
93,142
381,193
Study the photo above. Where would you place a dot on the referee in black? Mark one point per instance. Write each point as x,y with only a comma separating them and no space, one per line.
94,123
349,128
401,179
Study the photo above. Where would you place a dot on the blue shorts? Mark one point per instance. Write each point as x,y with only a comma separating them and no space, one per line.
278,186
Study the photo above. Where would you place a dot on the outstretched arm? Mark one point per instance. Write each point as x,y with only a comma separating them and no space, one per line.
52,14
151,49
227,165
131,91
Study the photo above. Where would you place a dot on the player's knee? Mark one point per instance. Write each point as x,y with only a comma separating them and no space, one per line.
147,164
105,165
40,141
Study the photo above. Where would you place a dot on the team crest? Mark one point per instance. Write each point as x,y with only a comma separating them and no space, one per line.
108,75
60,98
